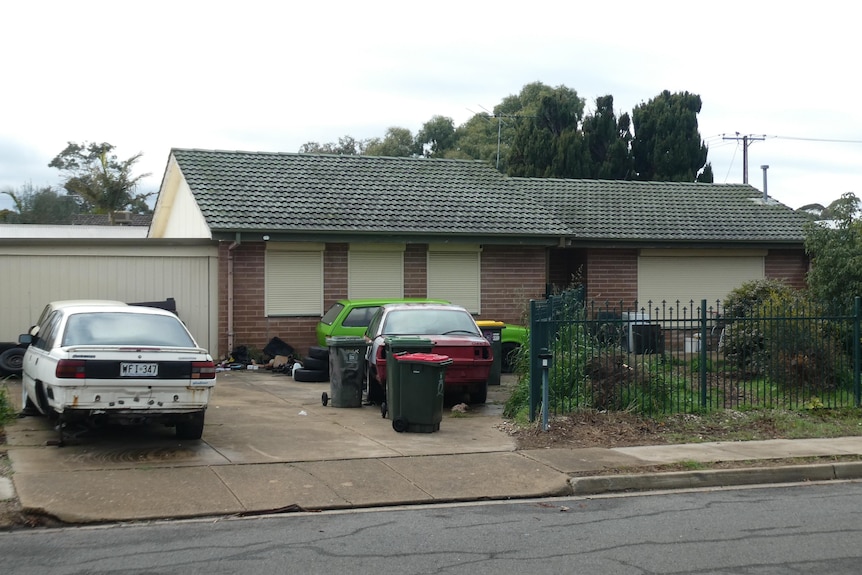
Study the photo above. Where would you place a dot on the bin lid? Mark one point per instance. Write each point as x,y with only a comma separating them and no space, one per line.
490,323
345,341
435,358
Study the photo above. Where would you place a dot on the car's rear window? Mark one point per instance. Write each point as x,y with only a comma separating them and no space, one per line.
116,328
360,317
429,322
332,313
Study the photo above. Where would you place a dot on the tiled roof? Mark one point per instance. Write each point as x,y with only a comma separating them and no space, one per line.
358,194
665,211
105,220
317,193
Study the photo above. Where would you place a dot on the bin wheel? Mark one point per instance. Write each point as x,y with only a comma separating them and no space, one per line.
399,424
384,409
324,398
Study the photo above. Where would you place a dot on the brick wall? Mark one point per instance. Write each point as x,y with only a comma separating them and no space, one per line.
613,276
334,274
511,277
416,270
788,265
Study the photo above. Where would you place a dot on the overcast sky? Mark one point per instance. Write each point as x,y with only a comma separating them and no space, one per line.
270,76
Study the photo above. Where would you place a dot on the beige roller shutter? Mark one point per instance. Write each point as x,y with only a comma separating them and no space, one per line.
294,282
695,277
375,272
455,276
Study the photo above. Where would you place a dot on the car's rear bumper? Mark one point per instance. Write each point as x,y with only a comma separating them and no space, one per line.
163,399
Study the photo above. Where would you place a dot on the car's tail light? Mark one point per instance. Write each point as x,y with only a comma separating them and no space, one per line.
71,369
203,370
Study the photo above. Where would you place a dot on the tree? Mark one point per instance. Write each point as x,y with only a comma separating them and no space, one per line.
398,142
39,206
836,254
608,141
847,206
346,146
667,145
548,143
95,174
437,137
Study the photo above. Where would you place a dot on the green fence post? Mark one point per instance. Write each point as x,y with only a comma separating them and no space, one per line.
857,390
702,366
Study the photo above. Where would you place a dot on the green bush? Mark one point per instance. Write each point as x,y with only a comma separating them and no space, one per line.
7,410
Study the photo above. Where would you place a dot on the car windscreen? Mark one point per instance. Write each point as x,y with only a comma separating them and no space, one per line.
332,313
429,322
116,328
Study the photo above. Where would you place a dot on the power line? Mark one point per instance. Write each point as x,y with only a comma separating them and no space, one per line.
746,141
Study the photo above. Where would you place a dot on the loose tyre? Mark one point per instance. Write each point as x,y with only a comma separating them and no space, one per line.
318,352
314,363
12,360
310,375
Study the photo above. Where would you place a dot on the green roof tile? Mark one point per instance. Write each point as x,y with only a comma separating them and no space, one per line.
318,193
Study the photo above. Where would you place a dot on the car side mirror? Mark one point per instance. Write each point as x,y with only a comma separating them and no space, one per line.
26,339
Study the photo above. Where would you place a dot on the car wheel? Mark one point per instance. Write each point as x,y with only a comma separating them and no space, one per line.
479,394
510,357
314,363
310,375
319,352
12,360
191,429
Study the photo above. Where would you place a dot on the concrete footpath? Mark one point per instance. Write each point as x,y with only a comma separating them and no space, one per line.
269,445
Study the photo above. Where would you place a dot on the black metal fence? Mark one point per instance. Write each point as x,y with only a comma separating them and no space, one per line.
692,356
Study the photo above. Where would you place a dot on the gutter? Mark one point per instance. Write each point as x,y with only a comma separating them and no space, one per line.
230,250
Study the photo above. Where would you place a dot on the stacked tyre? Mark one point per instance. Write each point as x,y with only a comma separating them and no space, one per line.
315,366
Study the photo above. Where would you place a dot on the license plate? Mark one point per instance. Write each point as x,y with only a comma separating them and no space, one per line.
139,370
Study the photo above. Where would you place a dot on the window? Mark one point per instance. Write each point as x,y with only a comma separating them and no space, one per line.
454,275
376,271
294,279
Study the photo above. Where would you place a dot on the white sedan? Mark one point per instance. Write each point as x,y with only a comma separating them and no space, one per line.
126,364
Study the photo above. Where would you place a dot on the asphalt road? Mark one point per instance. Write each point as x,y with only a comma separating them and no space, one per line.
811,528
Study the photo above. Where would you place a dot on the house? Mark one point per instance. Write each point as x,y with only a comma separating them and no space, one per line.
296,232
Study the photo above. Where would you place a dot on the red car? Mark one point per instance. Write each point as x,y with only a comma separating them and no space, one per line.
453,332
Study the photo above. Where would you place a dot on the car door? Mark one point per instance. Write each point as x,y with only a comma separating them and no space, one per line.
38,363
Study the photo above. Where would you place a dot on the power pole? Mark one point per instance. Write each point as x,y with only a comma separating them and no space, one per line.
746,141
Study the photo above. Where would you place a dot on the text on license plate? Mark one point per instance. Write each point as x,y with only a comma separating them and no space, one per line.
139,370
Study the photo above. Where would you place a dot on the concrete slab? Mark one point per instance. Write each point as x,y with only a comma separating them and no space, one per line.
277,485
583,459
365,483
140,454
480,476
660,454
126,494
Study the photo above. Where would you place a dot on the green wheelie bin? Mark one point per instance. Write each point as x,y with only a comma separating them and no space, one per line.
422,381
394,346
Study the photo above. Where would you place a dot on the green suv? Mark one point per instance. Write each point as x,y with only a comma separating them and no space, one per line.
352,316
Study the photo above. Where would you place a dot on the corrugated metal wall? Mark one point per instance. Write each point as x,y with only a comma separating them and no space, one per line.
135,271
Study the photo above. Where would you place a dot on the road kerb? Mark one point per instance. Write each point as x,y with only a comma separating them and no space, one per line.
712,478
